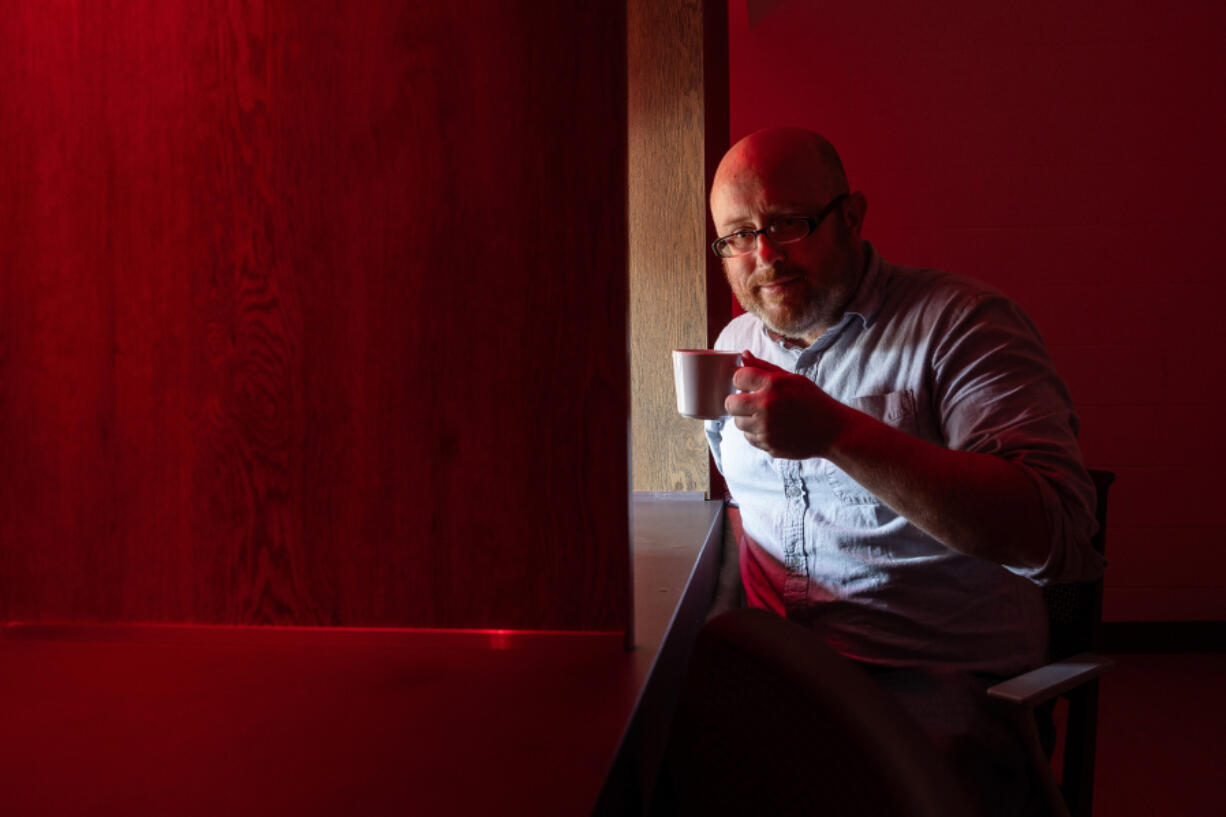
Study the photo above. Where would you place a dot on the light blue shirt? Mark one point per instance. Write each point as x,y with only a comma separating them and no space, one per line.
952,361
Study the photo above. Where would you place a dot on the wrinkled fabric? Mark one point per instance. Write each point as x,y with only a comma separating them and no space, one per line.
974,736
952,361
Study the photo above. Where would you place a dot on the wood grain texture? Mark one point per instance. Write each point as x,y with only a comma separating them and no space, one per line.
669,144
314,314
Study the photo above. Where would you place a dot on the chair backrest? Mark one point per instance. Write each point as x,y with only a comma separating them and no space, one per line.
1074,611
1074,614
772,721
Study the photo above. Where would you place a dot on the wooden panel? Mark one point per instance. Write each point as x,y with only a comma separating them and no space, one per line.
314,313
674,63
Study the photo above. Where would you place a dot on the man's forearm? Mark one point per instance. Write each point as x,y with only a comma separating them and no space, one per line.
977,504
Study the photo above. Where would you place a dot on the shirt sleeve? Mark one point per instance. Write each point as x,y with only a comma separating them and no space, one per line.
715,434
998,393
728,341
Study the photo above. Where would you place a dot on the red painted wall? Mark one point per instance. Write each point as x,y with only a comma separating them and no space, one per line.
1071,154
314,313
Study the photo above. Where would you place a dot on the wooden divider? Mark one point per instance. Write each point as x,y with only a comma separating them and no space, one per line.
314,314
678,124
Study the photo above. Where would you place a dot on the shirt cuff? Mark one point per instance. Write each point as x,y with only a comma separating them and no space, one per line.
1072,558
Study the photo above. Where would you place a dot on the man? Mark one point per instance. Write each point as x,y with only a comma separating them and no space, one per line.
903,454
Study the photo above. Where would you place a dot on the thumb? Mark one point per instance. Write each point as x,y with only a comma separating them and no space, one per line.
754,373
749,359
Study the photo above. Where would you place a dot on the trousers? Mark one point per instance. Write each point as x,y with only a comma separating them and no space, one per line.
974,734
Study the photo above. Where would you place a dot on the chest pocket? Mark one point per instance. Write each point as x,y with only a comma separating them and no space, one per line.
897,409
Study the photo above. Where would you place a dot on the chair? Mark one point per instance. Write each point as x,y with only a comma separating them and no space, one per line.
1074,614
772,721
753,671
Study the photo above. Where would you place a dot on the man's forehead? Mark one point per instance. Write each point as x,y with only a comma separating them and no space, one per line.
750,190
777,169
734,209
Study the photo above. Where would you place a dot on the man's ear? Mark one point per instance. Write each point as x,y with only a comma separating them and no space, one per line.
854,210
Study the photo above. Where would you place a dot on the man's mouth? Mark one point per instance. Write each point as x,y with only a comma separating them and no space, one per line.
778,284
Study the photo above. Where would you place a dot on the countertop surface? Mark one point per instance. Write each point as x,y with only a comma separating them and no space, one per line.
194,720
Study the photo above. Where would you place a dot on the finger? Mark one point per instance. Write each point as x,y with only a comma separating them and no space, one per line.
750,378
740,405
748,424
748,358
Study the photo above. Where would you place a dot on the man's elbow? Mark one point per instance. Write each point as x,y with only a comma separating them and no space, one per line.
1065,563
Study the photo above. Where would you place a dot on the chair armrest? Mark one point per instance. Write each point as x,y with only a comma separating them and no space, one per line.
1039,685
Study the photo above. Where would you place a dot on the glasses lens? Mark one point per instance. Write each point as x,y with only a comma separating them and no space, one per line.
789,229
742,243
735,244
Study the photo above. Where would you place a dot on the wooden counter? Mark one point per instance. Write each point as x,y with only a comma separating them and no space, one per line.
190,720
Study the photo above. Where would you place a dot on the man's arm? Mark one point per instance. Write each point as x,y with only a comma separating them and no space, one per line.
978,504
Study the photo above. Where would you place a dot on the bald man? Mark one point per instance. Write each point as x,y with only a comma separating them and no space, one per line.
902,452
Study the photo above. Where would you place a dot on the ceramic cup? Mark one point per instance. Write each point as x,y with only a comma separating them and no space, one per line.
703,379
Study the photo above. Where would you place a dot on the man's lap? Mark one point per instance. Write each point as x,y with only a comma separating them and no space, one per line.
972,732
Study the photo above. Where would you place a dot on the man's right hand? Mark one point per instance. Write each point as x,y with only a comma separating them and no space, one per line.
784,414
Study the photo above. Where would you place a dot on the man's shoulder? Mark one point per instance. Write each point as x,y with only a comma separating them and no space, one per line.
948,305
929,289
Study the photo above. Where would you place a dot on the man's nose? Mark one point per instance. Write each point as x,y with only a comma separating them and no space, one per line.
769,252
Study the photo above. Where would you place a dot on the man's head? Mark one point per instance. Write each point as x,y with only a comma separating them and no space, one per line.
799,288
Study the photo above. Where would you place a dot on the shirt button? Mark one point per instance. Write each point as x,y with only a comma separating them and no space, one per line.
792,491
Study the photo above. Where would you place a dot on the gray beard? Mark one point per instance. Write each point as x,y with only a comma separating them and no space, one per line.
809,321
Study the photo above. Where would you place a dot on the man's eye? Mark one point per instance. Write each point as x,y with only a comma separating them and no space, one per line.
743,235
787,226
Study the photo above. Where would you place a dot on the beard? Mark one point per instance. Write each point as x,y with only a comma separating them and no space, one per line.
813,300
795,312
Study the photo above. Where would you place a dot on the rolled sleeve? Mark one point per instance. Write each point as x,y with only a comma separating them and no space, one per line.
1072,558
998,393
715,432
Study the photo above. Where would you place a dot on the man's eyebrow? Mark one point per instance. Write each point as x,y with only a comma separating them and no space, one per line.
782,211
731,225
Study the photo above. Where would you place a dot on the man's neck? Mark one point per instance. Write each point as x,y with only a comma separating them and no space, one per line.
791,342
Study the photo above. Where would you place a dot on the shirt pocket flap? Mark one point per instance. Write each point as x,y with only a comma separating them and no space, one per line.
896,409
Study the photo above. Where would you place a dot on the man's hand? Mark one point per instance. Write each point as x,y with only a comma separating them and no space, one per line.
784,414
979,504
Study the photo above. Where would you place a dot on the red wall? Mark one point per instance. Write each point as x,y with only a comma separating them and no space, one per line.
1071,154
314,313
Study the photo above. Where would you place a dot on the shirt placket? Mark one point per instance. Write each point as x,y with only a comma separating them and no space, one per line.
795,503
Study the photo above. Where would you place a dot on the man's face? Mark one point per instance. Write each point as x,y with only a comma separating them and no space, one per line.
797,289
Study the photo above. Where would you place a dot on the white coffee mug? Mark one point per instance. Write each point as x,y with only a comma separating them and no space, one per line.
703,378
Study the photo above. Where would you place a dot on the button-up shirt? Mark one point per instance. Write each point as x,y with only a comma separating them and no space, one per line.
952,361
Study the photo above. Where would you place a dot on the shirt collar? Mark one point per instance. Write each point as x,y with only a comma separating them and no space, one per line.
866,303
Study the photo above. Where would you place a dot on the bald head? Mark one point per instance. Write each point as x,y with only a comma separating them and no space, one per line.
805,158
797,286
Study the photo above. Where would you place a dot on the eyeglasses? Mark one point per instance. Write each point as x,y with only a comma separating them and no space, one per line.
785,230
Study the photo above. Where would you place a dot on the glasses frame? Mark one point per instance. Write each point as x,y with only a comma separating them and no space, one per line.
812,221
